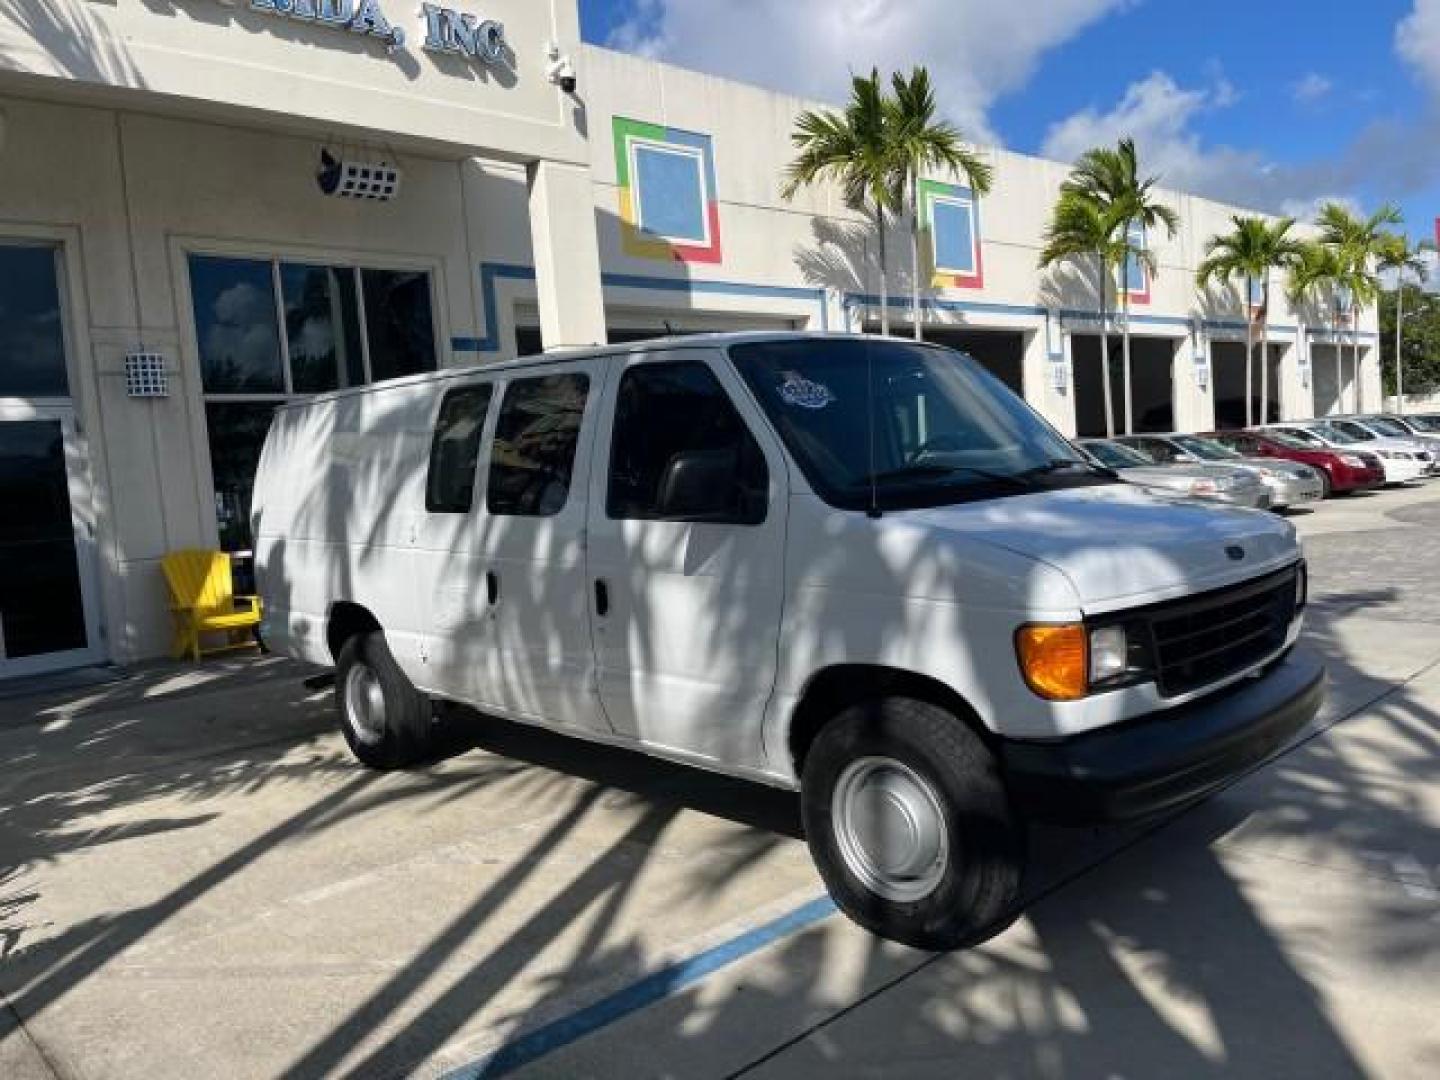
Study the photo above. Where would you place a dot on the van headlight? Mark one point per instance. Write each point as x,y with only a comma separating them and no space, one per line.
1067,661
1109,653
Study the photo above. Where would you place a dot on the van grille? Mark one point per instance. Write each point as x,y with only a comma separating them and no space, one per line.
1202,640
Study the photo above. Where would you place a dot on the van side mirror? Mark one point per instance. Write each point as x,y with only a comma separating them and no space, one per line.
700,485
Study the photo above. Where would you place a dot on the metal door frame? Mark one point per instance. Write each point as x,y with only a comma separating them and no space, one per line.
86,555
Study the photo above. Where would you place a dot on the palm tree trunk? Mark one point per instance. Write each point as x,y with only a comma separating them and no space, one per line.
1249,359
915,257
1355,352
1265,352
1125,364
1400,344
884,273
1339,369
1105,349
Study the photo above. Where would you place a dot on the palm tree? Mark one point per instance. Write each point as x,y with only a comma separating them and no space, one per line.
1082,228
1252,251
1359,243
1315,277
1400,256
853,149
919,143
1111,177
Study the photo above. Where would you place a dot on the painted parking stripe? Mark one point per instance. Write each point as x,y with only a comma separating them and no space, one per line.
639,995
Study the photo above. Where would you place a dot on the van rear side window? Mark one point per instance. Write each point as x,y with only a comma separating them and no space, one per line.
533,456
455,451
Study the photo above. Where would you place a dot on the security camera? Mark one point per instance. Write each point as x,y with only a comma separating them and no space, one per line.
561,70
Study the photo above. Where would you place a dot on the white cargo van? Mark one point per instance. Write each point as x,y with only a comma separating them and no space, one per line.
858,567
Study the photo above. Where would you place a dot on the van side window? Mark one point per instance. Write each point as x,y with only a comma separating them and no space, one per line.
533,456
455,450
681,452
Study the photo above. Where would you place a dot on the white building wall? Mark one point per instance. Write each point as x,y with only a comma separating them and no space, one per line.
128,181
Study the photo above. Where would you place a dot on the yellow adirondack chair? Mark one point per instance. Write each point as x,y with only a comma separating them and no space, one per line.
203,600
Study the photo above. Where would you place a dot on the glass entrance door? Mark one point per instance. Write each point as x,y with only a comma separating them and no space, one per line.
46,610
47,578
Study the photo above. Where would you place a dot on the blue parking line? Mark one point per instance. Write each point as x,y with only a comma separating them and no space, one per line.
639,995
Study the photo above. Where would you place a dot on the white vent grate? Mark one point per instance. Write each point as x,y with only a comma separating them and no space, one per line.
145,375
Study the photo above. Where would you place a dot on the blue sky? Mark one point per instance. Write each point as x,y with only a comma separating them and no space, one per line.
1272,104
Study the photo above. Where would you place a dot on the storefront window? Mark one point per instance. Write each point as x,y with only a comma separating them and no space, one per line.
398,323
237,434
235,326
324,328
32,343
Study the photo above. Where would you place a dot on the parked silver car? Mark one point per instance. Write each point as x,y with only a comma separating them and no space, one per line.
1291,483
1396,427
1216,483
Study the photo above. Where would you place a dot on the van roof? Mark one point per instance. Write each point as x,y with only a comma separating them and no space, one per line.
569,355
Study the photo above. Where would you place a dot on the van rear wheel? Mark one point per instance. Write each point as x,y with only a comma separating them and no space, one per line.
910,825
386,721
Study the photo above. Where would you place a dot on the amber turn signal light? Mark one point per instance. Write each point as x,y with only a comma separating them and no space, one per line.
1055,660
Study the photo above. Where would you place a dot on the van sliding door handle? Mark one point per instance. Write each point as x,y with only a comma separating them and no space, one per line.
602,598
492,587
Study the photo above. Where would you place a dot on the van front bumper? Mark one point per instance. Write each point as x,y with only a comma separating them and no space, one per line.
1157,762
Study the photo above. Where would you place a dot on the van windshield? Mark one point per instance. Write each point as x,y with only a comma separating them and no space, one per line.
890,425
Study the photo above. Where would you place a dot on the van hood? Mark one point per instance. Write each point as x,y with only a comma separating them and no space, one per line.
1121,546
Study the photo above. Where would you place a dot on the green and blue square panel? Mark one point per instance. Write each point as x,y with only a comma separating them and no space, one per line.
952,217
1137,278
668,204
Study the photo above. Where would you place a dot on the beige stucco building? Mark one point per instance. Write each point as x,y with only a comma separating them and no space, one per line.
170,267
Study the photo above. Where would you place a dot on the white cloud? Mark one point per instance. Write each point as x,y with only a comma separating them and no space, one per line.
1311,88
1417,40
976,50
1161,116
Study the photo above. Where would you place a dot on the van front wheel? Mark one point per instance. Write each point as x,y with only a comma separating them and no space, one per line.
910,825
386,721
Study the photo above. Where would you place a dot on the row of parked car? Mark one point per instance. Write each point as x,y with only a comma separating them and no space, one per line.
1283,465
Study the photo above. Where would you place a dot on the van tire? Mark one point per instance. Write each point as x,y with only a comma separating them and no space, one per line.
926,761
386,721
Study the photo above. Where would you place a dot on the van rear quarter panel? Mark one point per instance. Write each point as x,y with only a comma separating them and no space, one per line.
338,497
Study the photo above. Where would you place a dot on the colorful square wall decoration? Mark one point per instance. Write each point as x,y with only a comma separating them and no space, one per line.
952,217
668,205
1137,278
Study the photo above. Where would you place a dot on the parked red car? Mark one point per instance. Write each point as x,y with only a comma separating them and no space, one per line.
1342,470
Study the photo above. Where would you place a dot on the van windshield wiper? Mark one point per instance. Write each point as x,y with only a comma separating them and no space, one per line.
932,469
1061,464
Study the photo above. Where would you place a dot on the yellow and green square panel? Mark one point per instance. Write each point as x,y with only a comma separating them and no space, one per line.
668,204
952,218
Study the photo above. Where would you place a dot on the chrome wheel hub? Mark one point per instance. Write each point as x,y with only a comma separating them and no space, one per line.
890,829
365,704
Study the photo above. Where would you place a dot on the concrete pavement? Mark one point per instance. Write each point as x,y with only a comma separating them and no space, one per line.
196,880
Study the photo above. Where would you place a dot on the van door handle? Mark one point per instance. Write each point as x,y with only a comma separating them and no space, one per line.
602,598
492,587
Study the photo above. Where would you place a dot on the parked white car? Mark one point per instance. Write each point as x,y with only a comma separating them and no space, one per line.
1403,459
1386,427
856,567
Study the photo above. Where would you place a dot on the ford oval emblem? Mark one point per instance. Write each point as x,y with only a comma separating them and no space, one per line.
1236,552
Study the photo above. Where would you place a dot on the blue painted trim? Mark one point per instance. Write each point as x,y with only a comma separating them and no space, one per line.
937,304
649,990
491,273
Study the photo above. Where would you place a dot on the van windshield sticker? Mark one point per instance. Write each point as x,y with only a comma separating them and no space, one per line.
800,391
